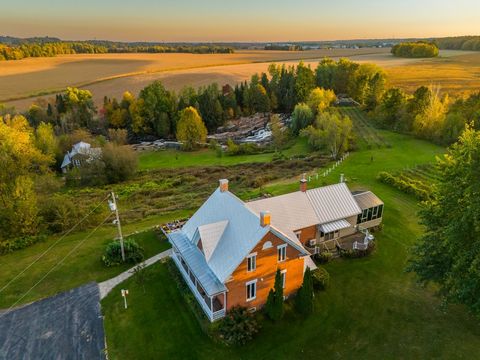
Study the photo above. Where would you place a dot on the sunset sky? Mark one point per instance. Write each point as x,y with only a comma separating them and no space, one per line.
240,20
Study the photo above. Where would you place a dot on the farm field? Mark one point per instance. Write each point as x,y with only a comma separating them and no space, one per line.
33,76
113,74
372,309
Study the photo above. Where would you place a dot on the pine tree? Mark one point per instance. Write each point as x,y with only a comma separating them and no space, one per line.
304,299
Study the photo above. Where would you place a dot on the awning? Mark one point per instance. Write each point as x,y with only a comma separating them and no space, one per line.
334,226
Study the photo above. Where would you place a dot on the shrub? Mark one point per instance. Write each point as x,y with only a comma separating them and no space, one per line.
120,162
238,327
113,253
323,257
408,186
320,279
353,253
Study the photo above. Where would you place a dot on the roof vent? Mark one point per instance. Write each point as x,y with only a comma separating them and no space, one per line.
223,185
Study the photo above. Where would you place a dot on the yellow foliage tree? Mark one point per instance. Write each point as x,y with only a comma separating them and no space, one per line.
190,128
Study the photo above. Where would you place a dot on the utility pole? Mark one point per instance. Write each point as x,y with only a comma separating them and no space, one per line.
114,207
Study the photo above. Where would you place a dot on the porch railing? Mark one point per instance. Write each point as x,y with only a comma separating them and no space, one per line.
212,316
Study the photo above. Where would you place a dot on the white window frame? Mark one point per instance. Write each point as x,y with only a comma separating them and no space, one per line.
375,213
247,285
284,277
364,215
282,250
298,234
252,260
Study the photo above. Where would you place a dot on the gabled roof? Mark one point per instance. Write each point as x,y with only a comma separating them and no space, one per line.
333,202
232,230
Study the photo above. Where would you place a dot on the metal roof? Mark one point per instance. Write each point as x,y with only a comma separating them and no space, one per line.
335,225
197,263
289,212
210,235
333,202
367,200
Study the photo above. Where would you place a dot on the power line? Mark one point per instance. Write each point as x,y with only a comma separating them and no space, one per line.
54,267
55,243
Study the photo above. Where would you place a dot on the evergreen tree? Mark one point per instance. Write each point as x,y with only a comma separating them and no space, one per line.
304,299
274,305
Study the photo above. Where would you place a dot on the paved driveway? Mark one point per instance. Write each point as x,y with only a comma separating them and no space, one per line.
66,326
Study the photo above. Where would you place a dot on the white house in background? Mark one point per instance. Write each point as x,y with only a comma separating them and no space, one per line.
80,154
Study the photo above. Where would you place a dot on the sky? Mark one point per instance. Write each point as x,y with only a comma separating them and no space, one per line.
238,20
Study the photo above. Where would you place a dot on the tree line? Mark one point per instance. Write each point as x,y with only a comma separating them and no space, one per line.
419,49
50,49
459,43
428,114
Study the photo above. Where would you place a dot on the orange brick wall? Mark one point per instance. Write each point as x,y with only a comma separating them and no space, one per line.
308,233
267,265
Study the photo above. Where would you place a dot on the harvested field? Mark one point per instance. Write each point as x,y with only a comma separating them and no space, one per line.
112,74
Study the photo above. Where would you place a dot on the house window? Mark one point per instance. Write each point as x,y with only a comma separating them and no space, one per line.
283,273
252,262
370,214
331,235
282,252
251,290
298,234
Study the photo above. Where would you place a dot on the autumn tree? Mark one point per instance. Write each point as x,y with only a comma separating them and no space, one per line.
45,140
19,161
320,99
304,82
190,129
330,132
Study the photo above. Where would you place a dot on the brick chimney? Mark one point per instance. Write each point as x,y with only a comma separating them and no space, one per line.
303,184
223,185
265,218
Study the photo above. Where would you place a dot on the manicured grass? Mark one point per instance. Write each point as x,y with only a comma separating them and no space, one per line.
208,157
81,267
372,310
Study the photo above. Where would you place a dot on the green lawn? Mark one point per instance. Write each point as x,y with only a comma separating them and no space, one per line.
208,157
372,310
81,267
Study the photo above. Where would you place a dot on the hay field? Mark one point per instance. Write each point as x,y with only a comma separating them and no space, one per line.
112,74
36,75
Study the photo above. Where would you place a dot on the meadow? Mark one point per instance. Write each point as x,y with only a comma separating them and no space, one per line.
372,309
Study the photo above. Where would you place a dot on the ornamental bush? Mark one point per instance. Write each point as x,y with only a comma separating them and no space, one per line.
320,278
238,327
113,253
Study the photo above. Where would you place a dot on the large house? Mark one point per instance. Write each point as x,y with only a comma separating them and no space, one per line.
229,250
80,154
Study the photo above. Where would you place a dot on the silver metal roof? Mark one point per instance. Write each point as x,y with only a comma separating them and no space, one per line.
289,212
210,235
367,200
333,202
335,225
197,263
